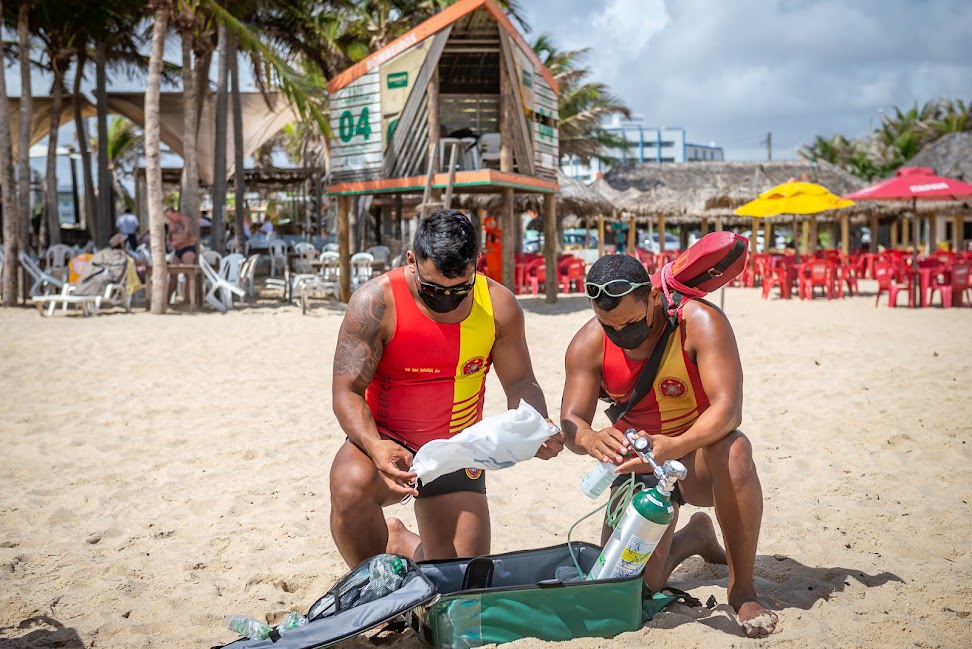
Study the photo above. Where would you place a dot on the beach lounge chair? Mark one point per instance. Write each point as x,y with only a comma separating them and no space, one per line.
44,284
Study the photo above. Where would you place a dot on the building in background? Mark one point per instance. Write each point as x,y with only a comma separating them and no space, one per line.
645,144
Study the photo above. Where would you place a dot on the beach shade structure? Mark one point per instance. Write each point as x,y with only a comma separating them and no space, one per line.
915,184
793,197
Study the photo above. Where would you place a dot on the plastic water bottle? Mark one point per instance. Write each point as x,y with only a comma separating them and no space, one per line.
256,630
248,627
386,572
293,620
599,479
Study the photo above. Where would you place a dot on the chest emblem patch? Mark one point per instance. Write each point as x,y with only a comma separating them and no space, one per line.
672,387
473,365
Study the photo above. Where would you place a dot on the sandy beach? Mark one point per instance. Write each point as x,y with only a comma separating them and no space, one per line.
159,473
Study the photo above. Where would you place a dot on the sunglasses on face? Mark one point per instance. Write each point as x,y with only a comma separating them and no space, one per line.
431,288
614,288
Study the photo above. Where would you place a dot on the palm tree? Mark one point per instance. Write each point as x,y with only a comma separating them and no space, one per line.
26,114
125,146
11,214
218,216
187,20
583,105
161,10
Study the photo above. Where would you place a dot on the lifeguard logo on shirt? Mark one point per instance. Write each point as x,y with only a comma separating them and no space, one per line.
472,474
673,387
473,365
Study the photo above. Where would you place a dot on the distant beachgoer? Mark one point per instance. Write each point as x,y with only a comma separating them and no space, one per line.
397,385
180,237
690,415
127,224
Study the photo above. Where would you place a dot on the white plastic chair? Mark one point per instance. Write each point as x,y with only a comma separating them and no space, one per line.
278,255
380,253
214,258
248,273
302,246
360,268
220,292
43,282
331,247
56,260
231,266
487,149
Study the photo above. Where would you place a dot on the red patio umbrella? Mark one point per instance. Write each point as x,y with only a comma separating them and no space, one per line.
915,184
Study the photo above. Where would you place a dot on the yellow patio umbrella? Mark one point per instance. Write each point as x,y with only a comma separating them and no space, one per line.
793,197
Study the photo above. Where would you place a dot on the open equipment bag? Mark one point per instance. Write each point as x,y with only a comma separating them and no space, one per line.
464,603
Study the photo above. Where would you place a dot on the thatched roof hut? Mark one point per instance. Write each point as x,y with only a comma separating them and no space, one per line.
689,192
949,155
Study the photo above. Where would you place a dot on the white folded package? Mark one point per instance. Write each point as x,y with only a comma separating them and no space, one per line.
496,442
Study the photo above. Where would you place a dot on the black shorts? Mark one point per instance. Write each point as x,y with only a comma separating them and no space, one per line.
472,480
182,251
650,481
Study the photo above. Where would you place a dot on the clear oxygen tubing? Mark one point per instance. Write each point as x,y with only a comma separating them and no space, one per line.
616,506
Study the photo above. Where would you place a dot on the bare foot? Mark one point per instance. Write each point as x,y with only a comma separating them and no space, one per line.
402,540
704,540
755,619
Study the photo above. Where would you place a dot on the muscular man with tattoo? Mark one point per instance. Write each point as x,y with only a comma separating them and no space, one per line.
410,367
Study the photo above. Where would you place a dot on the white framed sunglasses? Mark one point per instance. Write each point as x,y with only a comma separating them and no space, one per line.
614,288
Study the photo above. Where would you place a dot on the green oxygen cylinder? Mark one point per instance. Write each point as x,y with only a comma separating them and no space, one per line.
644,522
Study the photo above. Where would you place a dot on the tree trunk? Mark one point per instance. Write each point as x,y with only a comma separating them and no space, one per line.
190,115
51,216
219,154
105,224
84,143
11,215
26,113
238,149
153,164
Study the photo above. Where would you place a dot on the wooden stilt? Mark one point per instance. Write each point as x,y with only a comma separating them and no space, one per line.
632,235
550,245
600,235
344,246
845,234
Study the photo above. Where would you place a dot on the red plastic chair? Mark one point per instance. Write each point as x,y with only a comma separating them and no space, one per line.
956,284
572,271
847,276
775,276
536,274
884,274
817,273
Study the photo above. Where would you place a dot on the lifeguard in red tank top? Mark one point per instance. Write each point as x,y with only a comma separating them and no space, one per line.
430,381
676,399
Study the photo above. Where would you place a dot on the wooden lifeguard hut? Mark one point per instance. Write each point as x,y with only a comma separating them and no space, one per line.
459,103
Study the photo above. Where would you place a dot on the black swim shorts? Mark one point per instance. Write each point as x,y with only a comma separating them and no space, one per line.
650,481
473,480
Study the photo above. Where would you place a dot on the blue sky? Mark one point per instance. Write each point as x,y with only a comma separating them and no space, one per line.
731,71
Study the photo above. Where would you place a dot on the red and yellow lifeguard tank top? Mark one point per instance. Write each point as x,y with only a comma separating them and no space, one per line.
677,397
430,381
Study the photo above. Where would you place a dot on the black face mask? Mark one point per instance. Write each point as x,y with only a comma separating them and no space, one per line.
630,336
441,303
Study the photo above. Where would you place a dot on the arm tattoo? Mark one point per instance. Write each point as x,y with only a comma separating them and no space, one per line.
358,347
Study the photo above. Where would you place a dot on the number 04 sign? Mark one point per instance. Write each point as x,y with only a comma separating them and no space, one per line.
350,127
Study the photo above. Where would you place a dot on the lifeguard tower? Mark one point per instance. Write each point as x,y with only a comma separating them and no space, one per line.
459,103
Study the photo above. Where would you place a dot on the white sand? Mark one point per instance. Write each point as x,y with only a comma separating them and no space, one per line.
145,494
